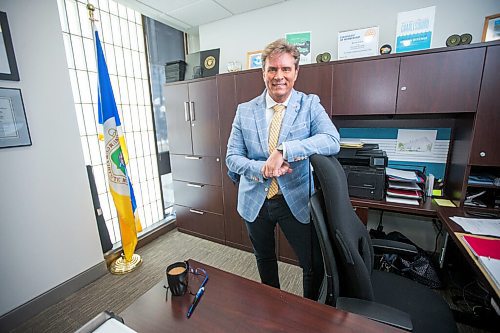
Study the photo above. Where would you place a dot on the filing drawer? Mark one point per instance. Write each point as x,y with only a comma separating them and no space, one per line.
203,224
199,196
196,169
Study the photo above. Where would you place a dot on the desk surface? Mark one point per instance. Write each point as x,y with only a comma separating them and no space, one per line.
235,304
427,208
455,231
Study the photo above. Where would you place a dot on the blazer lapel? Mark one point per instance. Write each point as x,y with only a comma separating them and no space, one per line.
290,115
260,120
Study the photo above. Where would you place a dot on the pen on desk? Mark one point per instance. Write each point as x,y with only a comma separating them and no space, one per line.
196,300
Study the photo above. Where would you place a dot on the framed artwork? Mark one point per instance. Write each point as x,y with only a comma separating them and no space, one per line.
14,130
491,29
254,59
8,65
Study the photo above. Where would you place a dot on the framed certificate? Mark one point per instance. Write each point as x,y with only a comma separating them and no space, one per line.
8,65
14,130
491,29
254,59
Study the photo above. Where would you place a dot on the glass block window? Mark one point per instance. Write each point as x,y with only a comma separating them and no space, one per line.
121,32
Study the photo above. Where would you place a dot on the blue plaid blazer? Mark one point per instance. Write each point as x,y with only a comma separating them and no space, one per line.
306,130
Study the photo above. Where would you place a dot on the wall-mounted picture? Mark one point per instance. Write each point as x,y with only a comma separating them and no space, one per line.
491,30
8,65
254,59
14,130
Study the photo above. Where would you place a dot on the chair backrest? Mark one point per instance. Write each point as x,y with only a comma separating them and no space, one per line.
331,282
351,243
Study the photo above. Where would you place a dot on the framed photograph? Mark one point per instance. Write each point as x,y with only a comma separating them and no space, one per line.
8,65
491,30
14,130
254,59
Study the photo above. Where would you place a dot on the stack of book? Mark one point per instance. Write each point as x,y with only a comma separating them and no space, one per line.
404,186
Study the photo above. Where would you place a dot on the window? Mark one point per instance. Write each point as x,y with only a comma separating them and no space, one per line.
121,33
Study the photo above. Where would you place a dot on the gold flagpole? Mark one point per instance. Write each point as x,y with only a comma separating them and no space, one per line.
119,265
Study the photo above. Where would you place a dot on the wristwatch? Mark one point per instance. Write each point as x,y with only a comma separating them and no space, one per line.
280,148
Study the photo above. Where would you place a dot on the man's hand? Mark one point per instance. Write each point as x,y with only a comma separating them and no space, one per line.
275,166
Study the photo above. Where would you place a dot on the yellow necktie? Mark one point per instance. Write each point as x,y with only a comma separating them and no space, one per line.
274,133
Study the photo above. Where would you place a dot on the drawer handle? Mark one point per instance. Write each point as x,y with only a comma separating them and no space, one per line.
196,211
194,185
192,157
191,111
186,112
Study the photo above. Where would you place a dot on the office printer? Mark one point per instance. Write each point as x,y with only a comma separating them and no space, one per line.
365,170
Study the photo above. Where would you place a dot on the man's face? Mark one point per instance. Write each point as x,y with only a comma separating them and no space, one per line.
280,75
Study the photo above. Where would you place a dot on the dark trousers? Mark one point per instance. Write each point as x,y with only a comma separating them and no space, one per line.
302,238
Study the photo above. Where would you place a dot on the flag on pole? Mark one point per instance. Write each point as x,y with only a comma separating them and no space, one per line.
116,157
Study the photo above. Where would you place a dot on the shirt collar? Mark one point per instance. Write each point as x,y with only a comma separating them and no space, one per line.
270,102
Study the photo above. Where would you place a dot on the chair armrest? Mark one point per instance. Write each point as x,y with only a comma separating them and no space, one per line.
376,311
390,246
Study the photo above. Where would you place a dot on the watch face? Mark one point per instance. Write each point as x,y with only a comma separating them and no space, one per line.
209,62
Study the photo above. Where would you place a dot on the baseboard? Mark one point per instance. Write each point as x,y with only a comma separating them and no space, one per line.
17,316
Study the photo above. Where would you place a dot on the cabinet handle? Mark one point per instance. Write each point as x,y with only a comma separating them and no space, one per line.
482,154
192,157
191,111
403,88
186,112
194,185
196,211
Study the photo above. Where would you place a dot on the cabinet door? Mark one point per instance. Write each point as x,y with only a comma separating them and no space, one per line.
178,124
234,224
204,118
443,82
365,87
486,131
249,85
317,79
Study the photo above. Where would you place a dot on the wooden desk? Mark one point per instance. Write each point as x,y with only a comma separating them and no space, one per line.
235,304
427,208
455,231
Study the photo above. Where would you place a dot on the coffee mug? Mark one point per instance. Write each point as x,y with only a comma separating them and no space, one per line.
177,278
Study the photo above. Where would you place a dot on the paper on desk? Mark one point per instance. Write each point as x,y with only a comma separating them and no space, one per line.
401,174
402,200
113,326
493,268
444,203
488,227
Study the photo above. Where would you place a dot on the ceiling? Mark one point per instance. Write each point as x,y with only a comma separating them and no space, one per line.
187,15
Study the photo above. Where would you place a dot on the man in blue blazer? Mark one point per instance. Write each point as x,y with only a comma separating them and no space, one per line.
271,140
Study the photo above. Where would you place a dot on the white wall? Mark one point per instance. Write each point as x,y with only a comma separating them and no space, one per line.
48,232
237,35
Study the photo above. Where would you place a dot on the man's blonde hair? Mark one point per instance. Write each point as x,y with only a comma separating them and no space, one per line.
280,46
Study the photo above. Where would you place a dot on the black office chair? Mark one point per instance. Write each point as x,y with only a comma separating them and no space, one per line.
381,296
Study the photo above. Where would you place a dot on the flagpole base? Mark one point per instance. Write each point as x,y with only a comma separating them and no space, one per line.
121,266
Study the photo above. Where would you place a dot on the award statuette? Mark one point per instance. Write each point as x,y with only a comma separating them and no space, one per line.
465,39
385,49
453,40
209,62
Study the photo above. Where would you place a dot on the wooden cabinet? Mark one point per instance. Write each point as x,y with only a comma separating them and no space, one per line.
485,150
193,131
317,79
192,112
236,232
365,87
441,82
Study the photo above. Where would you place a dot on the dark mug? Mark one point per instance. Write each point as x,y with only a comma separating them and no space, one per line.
177,278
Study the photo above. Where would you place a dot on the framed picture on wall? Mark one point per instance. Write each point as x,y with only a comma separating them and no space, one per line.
14,130
491,29
8,65
254,59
